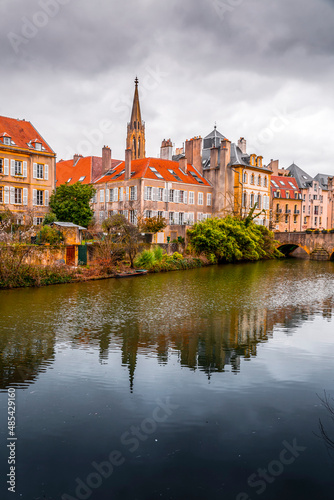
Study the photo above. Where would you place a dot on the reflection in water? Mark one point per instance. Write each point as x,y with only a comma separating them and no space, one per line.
328,403
210,318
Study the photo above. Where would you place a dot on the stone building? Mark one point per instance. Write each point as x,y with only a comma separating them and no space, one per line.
27,171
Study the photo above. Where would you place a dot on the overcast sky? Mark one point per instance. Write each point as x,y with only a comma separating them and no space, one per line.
261,69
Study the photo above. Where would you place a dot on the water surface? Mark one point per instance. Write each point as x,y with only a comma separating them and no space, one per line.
179,385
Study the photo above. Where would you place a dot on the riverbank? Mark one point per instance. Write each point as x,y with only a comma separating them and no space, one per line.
28,275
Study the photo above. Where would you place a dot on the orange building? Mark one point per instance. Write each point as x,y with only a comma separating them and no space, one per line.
27,170
286,202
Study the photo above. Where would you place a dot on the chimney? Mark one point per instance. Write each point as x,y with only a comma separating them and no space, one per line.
183,164
214,157
225,153
242,145
76,158
193,152
274,166
166,150
128,158
106,158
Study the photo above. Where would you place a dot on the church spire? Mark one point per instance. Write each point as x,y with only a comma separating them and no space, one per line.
136,128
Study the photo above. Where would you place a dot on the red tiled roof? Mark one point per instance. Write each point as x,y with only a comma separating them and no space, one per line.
283,183
142,170
83,168
22,133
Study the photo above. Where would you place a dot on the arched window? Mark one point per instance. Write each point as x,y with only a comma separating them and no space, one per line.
259,180
251,200
139,148
252,179
244,200
265,182
244,177
259,201
134,148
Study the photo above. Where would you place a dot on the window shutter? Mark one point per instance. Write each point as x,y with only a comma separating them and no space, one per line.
121,194
34,170
164,196
145,193
6,195
127,193
185,197
153,193
186,217
46,200
25,196
6,167
116,194
135,193
176,217
34,221
25,169
12,195
107,195
177,196
101,196
34,196
46,172
135,219
12,167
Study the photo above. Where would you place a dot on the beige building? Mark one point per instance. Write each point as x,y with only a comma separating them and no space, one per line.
27,171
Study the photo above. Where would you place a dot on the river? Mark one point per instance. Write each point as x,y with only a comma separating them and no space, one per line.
200,384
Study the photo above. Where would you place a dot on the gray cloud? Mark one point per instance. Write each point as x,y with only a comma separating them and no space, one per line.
241,63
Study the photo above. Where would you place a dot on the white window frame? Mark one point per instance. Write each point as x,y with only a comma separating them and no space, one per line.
191,197
200,198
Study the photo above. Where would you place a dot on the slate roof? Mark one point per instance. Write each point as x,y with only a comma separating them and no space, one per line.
23,134
140,169
237,158
211,140
323,180
304,180
284,184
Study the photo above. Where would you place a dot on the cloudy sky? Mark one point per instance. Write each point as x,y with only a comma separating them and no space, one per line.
261,69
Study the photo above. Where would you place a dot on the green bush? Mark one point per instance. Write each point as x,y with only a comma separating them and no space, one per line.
232,239
49,235
158,253
145,259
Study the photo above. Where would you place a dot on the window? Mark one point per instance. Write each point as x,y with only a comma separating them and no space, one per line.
171,195
174,174
316,210
39,171
265,182
39,198
295,219
286,208
154,170
181,218
149,193
171,217
148,214
209,199
18,196
133,193
259,201
82,178
287,194
195,176
315,221
259,180
160,215
200,198
1,166
1,194
191,197
251,200
133,217
252,179
69,180
244,199
7,141
305,220
274,183
296,195
18,167
286,219
101,196
303,209
282,183
244,177
38,221
181,196
160,194
315,197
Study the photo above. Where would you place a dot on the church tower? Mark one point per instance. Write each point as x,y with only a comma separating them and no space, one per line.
136,129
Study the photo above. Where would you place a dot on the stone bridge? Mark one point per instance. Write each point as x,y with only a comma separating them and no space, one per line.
313,246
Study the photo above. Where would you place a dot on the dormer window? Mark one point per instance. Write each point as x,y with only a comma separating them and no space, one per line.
36,143
7,141
69,180
82,178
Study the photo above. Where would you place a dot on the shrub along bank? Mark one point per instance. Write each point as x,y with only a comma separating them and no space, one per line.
233,239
